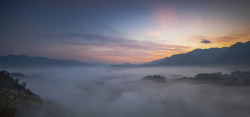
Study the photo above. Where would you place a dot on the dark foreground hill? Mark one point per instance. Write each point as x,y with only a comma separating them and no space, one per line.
15,99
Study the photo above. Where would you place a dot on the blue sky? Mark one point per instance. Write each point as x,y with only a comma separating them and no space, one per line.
120,31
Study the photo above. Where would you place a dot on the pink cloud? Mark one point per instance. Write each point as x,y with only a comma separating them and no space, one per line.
153,33
198,22
166,16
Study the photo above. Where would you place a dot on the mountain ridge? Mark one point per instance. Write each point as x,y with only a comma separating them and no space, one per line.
237,54
24,61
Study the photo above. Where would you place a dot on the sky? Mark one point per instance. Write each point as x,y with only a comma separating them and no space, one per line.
120,31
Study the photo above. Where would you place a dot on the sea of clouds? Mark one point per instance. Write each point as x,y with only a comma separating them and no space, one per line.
121,92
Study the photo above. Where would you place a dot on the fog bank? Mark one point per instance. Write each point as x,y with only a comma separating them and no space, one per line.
119,92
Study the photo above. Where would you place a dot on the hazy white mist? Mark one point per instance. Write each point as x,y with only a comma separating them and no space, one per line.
119,92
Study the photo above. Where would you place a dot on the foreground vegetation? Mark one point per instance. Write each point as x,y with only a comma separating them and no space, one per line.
15,99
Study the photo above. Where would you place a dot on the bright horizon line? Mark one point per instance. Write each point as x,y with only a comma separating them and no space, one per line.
117,63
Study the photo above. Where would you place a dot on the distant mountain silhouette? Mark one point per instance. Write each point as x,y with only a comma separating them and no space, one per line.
196,57
155,62
124,65
12,61
237,54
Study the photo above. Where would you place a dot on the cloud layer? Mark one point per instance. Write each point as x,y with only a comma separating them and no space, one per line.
99,92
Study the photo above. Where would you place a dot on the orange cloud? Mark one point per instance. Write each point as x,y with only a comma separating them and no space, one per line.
127,52
233,37
91,48
199,37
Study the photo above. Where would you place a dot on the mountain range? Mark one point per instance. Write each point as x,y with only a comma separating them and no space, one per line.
23,61
235,55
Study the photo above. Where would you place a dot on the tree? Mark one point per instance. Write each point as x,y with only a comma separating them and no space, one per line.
24,84
17,80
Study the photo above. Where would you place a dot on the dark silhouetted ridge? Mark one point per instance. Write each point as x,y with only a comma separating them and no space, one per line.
235,55
10,61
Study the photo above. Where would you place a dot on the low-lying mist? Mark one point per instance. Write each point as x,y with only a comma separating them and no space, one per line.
119,92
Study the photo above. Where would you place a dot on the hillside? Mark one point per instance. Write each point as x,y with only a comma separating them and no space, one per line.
15,99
